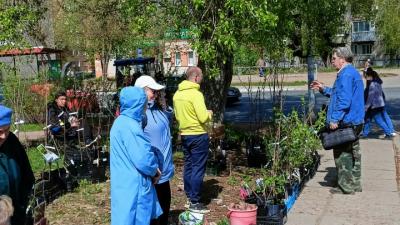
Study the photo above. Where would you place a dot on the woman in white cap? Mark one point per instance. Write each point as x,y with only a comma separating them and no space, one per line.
156,128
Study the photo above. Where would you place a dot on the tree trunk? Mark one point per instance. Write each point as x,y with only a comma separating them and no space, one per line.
311,77
215,89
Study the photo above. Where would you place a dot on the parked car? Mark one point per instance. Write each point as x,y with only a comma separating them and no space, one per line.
233,95
172,82
128,70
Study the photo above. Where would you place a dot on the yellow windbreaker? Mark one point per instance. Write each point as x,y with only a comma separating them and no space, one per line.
190,109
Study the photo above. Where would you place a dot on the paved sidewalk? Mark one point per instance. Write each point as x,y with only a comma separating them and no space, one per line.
327,78
379,203
26,137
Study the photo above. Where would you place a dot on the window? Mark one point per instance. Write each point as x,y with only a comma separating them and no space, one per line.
190,59
366,49
177,59
362,49
354,49
361,26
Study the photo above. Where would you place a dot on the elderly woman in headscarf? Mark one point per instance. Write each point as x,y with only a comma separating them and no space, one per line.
16,176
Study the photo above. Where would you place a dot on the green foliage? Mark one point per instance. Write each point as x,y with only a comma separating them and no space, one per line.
36,160
319,22
91,26
262,83
246,56
234,136
18,95
88,189
321,121
218,32
387,21
293,142
232,181
274,185
269,185
224,221
301,141
28,127
178,155
16,21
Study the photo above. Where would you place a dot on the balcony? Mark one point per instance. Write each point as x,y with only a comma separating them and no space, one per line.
364,36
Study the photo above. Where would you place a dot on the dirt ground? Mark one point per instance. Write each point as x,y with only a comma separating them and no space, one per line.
217,193
90,203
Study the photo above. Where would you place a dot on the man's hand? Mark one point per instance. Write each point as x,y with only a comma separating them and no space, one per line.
157,177
210,112
73,121
316,85
333,126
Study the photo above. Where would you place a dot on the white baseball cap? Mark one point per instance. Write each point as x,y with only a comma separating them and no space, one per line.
148,81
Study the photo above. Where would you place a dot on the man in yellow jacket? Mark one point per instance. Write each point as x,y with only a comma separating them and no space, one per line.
192,115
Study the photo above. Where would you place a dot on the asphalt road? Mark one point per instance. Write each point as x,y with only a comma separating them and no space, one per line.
253,108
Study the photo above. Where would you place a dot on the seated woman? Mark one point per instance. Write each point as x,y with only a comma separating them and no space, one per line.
63,123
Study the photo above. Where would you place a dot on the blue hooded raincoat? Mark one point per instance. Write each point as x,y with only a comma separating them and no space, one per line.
132,164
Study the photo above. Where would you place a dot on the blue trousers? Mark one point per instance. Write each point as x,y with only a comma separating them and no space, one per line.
261,71
195,149
381,118
388,121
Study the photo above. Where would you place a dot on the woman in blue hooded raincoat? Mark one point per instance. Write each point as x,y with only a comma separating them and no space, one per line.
133,164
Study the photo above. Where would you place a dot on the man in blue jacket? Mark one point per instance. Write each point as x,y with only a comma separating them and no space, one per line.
346,106
133,164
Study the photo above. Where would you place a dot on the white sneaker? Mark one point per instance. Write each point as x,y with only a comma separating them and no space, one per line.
394,134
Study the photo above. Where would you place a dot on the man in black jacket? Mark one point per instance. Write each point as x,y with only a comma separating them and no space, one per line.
63,123
16,176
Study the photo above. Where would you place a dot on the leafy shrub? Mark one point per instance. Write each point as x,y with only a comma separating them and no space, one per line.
26,104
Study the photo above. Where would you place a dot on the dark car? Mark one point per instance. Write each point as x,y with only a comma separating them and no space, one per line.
233,95
128,70
172,82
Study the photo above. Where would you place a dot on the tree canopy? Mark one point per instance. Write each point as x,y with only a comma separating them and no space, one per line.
19,22
388,24
218,29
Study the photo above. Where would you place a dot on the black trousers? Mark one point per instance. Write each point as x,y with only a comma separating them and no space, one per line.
164,198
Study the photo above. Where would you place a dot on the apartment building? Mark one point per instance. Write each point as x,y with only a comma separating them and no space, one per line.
366,45
178,56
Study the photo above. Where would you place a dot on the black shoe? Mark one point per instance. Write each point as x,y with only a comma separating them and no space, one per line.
198,208
339,191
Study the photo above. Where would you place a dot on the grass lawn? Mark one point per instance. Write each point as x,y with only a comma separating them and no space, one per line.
37,161
28,127
293,83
